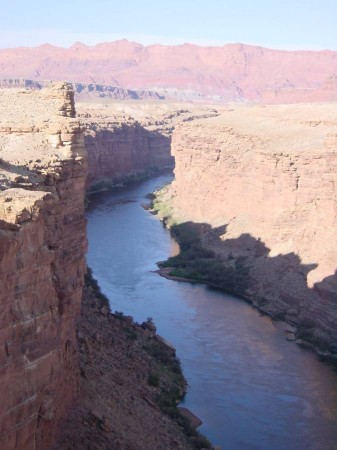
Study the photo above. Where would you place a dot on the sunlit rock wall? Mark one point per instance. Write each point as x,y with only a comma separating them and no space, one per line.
42,262
268,176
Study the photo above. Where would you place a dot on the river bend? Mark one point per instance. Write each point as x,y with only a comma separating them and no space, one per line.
253,389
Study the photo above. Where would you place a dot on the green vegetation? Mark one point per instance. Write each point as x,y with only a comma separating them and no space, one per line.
198,440
119,315
153,379
320,339
196,263
166,356
131,333
92,283
162,206
172,387
116,182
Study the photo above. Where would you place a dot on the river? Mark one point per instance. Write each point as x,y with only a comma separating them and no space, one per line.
253,389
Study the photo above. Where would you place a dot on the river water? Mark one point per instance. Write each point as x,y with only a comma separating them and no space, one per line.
252,388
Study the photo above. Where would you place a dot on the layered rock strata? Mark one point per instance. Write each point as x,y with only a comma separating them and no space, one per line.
261,182
42,262
232,72
84,90
43,176
131,140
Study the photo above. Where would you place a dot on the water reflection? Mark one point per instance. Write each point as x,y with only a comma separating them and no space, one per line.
251,387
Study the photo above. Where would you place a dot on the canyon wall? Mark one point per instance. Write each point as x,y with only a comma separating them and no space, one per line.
122,149
262,181
42,262
43,176
130,140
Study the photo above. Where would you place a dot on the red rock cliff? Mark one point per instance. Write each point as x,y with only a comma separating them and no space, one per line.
191,72
42,262
267,176
120,150
131,139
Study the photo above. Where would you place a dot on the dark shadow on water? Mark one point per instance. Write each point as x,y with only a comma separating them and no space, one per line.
277,285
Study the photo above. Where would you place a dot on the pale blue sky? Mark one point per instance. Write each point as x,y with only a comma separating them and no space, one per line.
285,24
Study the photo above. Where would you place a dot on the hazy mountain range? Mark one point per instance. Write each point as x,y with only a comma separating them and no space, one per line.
231,72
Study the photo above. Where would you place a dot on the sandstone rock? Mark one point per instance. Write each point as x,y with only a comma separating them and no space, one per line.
130,140
186,72
192,418
290,337
42,263
43,170
264,179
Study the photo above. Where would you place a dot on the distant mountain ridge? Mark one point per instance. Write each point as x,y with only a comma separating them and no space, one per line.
231,72
83,90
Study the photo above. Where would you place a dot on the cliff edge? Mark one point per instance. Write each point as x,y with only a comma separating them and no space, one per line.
42,262
261,184
73,375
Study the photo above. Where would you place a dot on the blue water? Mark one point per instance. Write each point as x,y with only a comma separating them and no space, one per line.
251,387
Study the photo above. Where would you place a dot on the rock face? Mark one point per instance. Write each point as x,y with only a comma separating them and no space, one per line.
42,262
265,179
230,72
111,152
120,148
129,140
118,407
43,176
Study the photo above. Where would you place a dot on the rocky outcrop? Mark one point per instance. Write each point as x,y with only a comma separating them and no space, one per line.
130,380
126,141
42,262
189,72
261,182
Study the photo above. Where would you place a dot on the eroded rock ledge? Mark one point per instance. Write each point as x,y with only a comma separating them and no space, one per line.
259,185
42,262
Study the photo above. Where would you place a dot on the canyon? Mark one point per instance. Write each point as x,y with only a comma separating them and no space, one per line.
233,72
55,331
126,141
259,185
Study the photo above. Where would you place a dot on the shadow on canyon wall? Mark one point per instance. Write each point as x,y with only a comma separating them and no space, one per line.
126,151
277,285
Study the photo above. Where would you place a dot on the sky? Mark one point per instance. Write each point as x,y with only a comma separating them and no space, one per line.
283,24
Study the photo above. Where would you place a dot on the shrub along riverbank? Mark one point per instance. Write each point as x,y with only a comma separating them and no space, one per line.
205,258
131,382
195,262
